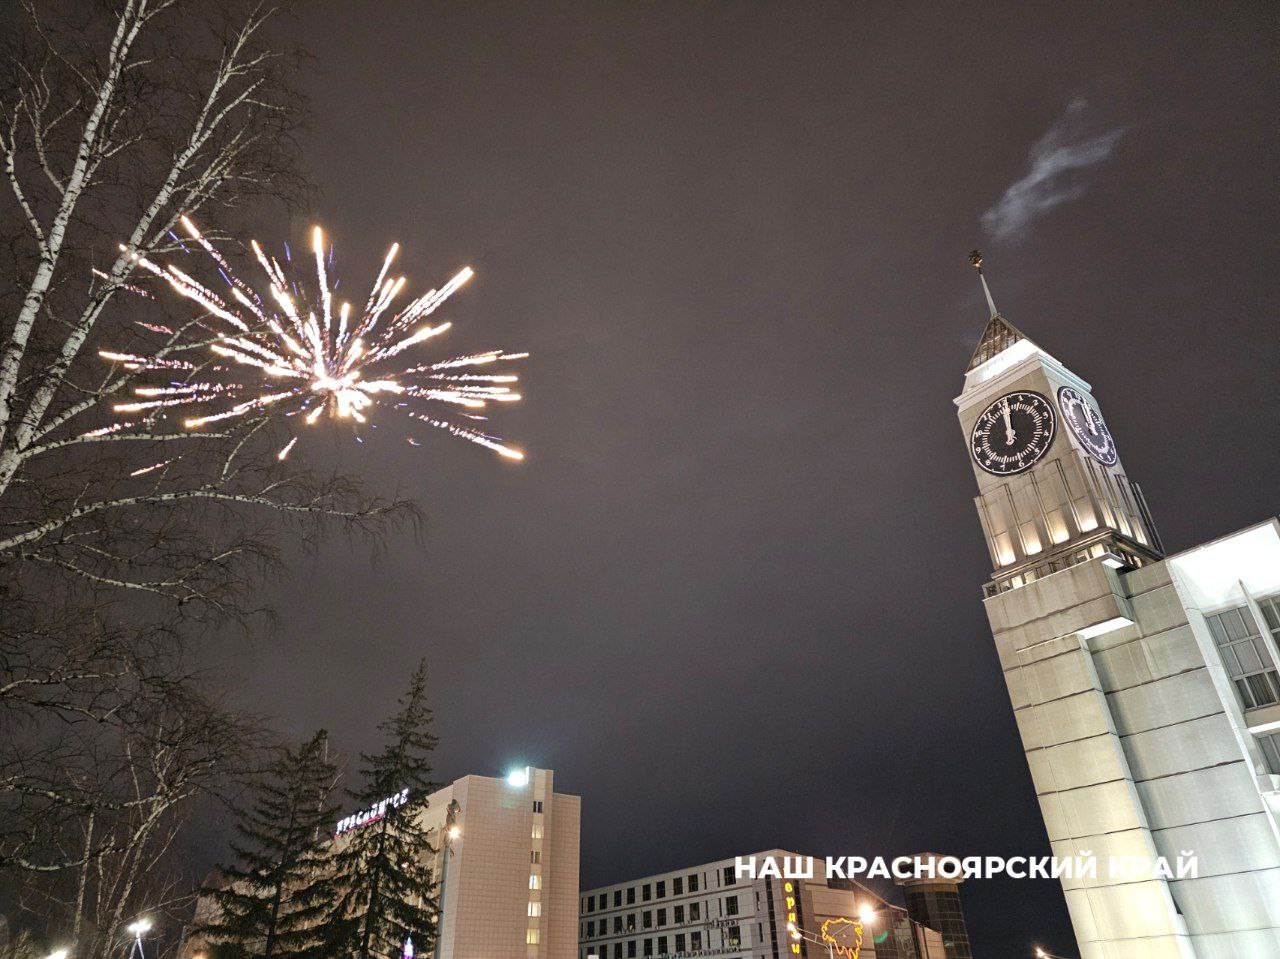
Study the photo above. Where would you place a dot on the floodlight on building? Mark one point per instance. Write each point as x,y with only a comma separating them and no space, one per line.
518,778
866,915
455,832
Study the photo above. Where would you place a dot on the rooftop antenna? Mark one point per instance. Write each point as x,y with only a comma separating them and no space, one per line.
975,258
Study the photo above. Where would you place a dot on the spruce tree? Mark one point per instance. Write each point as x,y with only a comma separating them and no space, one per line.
274,898
383,869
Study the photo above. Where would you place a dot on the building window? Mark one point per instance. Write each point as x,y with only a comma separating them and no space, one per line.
729,877
591,900
662,918
662,888
695,941
1269,743
645,891
1246,657
535,882
617,950
679,942
591,928
537,805
662,945
695,911
631,895
535,856
604,901
617,898
617,925
648,947
631,922
531,937
730,905
733,937
647,919
631,949
693,883
677,886
679,914
535,908
537,830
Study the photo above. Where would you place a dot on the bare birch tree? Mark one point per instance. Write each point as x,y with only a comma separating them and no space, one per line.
117,118
107,743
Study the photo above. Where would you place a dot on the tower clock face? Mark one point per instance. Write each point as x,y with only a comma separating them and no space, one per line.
1012,433
1086,425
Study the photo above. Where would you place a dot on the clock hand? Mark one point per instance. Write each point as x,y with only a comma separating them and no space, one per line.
1008,423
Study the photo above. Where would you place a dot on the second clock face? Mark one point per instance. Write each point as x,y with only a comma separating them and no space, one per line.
1013,433
1086,423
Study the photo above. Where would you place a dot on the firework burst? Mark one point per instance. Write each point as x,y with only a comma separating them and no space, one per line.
306,355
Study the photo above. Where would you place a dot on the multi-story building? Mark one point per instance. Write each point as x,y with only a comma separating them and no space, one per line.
508,867
1145,686
934,901
505,865
707,910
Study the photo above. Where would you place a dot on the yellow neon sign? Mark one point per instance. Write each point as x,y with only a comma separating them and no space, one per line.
832,925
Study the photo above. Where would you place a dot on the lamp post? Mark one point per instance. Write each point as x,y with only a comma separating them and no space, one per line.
452,832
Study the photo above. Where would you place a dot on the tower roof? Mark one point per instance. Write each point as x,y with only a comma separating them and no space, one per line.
997,337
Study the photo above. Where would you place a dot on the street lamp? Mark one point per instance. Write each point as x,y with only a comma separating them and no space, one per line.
1042,954
866,914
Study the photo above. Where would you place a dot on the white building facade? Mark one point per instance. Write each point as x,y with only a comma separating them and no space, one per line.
706,910
1145,687
507,862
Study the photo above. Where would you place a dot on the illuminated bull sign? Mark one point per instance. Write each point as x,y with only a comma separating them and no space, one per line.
846,929
373,813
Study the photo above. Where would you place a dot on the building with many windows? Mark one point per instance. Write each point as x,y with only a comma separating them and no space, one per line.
707,911
508,866
1145,686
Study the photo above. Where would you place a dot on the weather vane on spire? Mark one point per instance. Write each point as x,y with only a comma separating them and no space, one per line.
975,258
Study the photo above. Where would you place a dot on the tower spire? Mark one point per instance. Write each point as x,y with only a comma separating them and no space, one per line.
975,258
999,334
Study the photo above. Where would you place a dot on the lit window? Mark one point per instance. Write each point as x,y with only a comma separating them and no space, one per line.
535,881
531,937
537,830
1245,655
535,908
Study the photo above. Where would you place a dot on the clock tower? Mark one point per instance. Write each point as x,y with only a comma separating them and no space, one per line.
1051,488
1149,739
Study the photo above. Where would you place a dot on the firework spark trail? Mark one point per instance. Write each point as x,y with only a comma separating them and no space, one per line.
299,354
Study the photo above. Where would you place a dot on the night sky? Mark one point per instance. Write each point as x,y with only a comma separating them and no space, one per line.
733,595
